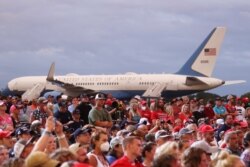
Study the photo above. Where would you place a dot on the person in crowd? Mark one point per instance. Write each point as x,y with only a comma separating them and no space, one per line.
64,155
6,139
144,110
240,111
98,116
15,110
115,151
100,145
56,105
240,136
245,156
148,153
50,104
76,122
193,127
166,160
85,107
162,136
23,133
185,113
170,147
6,122
207,133
185,139
25,112
47,140
208,110
219,110
4,153
231,140
14,162
80,151
230,106
228,122
158,113
74,104
63,115
132,148
83,136
175,108
195,157
224,159
134,114
41,113
51,145
23,148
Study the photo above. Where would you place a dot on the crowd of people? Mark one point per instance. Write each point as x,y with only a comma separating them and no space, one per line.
101,131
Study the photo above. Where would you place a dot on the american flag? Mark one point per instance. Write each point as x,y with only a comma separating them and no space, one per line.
210,51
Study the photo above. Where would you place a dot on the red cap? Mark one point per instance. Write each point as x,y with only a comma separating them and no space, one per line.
109,102
4,134
243,124
206,128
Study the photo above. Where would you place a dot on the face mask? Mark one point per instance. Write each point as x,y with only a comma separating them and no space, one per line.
105,147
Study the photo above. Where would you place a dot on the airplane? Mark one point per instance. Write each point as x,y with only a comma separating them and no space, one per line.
194,76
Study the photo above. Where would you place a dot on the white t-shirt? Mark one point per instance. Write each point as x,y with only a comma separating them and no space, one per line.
241,113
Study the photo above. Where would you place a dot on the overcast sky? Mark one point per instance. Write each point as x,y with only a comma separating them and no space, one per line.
118,36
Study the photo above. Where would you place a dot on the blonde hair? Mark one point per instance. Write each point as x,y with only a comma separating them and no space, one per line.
170,147
224,159
169,109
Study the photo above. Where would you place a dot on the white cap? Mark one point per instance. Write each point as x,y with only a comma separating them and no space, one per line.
74,147
115,141
142,120
229,97
137,97
220,121
205,146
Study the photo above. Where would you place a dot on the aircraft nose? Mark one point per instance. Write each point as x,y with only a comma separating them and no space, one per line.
12,85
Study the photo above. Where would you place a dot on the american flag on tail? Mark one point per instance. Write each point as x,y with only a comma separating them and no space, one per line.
210,51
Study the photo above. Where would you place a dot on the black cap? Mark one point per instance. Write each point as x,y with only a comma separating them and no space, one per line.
80,131
84,95
218,99
22,130
62,104
76,111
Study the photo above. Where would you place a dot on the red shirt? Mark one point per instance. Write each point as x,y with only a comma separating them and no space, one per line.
209,112
184,117
159,114
146,114
124,161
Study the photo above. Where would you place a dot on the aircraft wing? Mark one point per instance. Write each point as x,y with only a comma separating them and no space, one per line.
34,92
154,90
69,88
190,81
234,82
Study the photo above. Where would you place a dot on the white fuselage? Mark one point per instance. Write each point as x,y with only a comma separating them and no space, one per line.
110,83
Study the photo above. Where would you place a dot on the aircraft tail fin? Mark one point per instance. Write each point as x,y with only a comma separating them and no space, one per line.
202,62
51,73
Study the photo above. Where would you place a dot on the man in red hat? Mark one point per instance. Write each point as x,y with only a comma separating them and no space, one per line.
207,133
